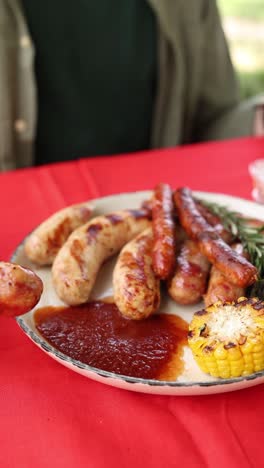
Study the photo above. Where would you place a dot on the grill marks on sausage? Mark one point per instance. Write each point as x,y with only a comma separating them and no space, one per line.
137,267
92,231
136,264
76,251
219,286
140,214
163,231
43,244
233,265
189,281
185,259
136,289
58,236
214,221
114,218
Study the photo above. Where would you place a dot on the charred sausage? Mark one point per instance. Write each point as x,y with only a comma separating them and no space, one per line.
239,270
215,222
163,231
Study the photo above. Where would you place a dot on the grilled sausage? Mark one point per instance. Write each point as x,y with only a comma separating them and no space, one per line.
76,266
43,244
189,281
20,289
219,286
214,221
136,289
239,270
163,255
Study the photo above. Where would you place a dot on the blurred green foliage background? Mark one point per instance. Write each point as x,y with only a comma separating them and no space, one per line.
243,22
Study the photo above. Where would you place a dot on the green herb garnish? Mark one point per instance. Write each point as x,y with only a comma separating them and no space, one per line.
250,236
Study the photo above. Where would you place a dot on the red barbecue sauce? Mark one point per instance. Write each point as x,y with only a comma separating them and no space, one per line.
98,335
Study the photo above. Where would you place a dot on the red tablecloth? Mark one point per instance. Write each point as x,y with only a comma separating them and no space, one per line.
53,417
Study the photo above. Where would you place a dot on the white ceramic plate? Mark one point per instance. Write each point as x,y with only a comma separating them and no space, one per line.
192,381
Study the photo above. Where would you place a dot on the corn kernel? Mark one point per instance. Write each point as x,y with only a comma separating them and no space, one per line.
224,374
248,358
236,372
247,347
220,353
234,354
258,348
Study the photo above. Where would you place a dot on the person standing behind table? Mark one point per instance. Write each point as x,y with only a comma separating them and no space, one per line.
91,78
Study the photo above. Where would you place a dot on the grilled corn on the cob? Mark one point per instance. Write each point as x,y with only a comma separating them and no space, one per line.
227,338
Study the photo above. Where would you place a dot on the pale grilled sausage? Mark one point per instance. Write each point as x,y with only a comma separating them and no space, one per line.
240,271
219,286
20,289
163,222
43,244
76,266
136,289
189,281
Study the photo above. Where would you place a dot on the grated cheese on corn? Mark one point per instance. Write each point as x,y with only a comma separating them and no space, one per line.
227,339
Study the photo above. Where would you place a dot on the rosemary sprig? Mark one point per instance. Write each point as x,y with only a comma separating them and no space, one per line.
250,235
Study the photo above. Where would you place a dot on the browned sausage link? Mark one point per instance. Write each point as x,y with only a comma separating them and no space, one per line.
219,286
214,221
136,288
237,268
163,256
190,278
20,289
147,205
